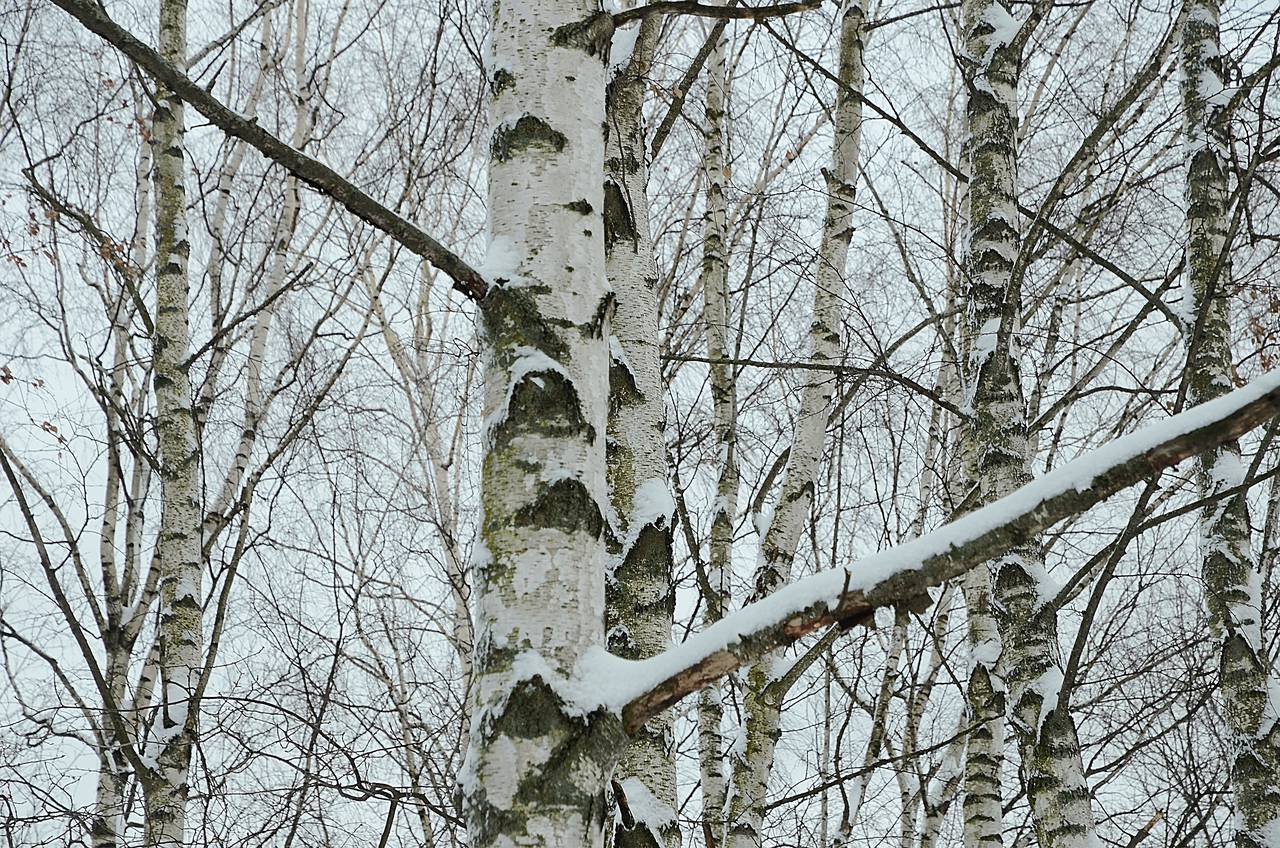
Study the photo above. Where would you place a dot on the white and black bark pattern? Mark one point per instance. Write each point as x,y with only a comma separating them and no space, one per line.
536,771
178,546
1015,665
640,600
113,770
712,748
748,797
1231,577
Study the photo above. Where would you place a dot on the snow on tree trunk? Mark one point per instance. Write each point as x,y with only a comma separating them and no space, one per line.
747,803
640,599
178,545
1020,652
536,765
712,749
1232,580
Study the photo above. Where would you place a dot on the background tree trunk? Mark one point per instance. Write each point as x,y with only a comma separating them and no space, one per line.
765,693
1233,584
640,597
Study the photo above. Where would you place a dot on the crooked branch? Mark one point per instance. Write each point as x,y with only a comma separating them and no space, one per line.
313,172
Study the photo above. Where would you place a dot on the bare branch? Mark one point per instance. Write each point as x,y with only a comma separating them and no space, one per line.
834,368
313,172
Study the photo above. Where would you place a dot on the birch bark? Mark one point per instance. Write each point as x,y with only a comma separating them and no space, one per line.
1233,582
747,803
712,747
1014,638
536,767
640,599
178,547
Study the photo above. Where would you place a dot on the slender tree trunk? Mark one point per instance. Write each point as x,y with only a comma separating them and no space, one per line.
640,599
113,772
1024,641
1232,581
764,698
712,748
984,746
536,768
178,546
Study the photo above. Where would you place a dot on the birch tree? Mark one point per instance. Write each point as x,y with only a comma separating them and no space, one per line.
574,704
181,627
537,765
713,746
765,689
640,596
1015,640
1232,582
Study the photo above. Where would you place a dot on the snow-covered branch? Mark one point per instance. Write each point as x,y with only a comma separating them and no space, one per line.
904,573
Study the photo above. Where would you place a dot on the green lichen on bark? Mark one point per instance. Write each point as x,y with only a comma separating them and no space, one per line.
640,598
1228,564
579,755
1014,639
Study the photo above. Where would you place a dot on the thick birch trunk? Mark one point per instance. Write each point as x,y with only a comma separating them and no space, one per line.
751,771
1025,640
178,545
1231,576
640,597
536,768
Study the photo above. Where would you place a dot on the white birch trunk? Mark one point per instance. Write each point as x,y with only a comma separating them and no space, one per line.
1233,583
640,599
178,545
1024,642
536,771
714,282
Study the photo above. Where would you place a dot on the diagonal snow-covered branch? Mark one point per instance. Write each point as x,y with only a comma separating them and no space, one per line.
640,689
313,172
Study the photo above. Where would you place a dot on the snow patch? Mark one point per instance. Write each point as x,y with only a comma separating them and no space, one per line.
1004,27
622,47
647,810
501,259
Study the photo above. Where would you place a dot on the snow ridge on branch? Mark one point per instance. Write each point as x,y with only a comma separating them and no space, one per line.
903,574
